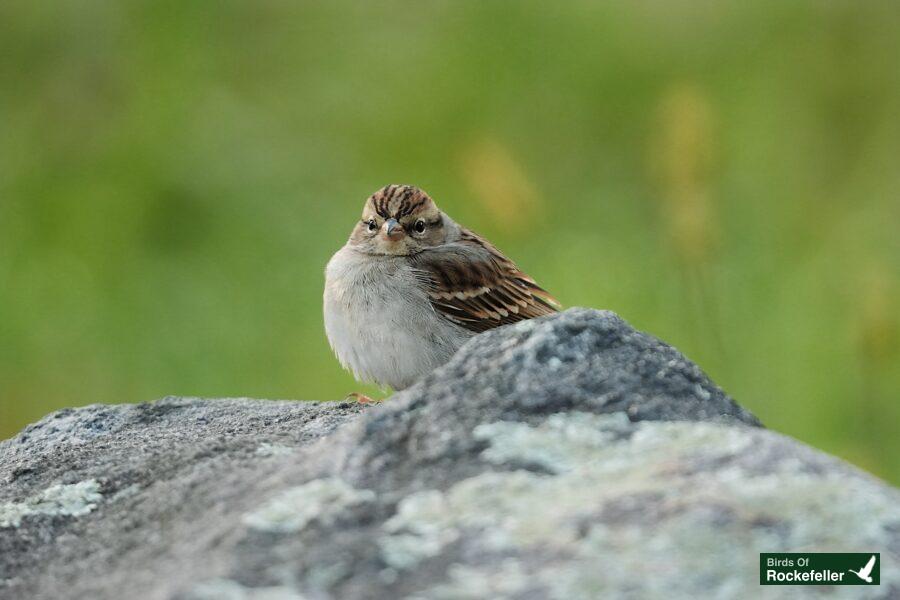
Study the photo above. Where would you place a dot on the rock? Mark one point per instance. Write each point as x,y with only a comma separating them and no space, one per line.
569,457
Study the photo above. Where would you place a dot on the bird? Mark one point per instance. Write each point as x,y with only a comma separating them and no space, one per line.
866,572
411,286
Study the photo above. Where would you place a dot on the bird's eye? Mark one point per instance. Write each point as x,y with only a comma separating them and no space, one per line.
420,226
373,226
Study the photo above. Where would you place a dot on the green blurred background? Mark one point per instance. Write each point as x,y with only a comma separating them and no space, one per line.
175,175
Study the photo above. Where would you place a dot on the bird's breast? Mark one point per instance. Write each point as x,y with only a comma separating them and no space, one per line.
380,322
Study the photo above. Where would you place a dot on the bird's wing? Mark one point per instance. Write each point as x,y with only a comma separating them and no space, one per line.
471,283
868,568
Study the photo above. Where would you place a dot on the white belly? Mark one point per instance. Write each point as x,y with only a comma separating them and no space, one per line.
380,324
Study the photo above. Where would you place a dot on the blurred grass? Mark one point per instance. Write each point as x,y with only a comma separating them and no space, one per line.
174,177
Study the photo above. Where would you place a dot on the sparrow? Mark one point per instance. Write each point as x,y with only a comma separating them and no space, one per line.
411,286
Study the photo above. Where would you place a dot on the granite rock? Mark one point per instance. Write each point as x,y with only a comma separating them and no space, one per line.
567,457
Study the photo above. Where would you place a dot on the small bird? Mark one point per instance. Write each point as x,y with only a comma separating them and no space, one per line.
411,286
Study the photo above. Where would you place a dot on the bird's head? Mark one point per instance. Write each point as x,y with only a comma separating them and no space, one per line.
399,220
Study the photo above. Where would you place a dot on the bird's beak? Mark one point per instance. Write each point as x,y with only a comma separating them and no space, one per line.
393,230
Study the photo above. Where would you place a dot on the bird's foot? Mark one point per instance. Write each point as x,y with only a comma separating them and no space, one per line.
361,399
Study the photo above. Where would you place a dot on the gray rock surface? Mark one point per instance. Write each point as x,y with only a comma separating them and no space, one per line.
570,457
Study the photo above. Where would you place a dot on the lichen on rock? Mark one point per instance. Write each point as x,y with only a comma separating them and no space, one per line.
73,500
625,495
322,500
226,589
267,449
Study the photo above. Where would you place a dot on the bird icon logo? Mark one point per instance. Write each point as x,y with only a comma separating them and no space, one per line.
865,572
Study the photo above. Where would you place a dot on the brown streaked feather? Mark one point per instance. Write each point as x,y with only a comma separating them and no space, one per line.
485,290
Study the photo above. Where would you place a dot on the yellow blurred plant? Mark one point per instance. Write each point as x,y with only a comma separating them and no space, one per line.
500,183
682,160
